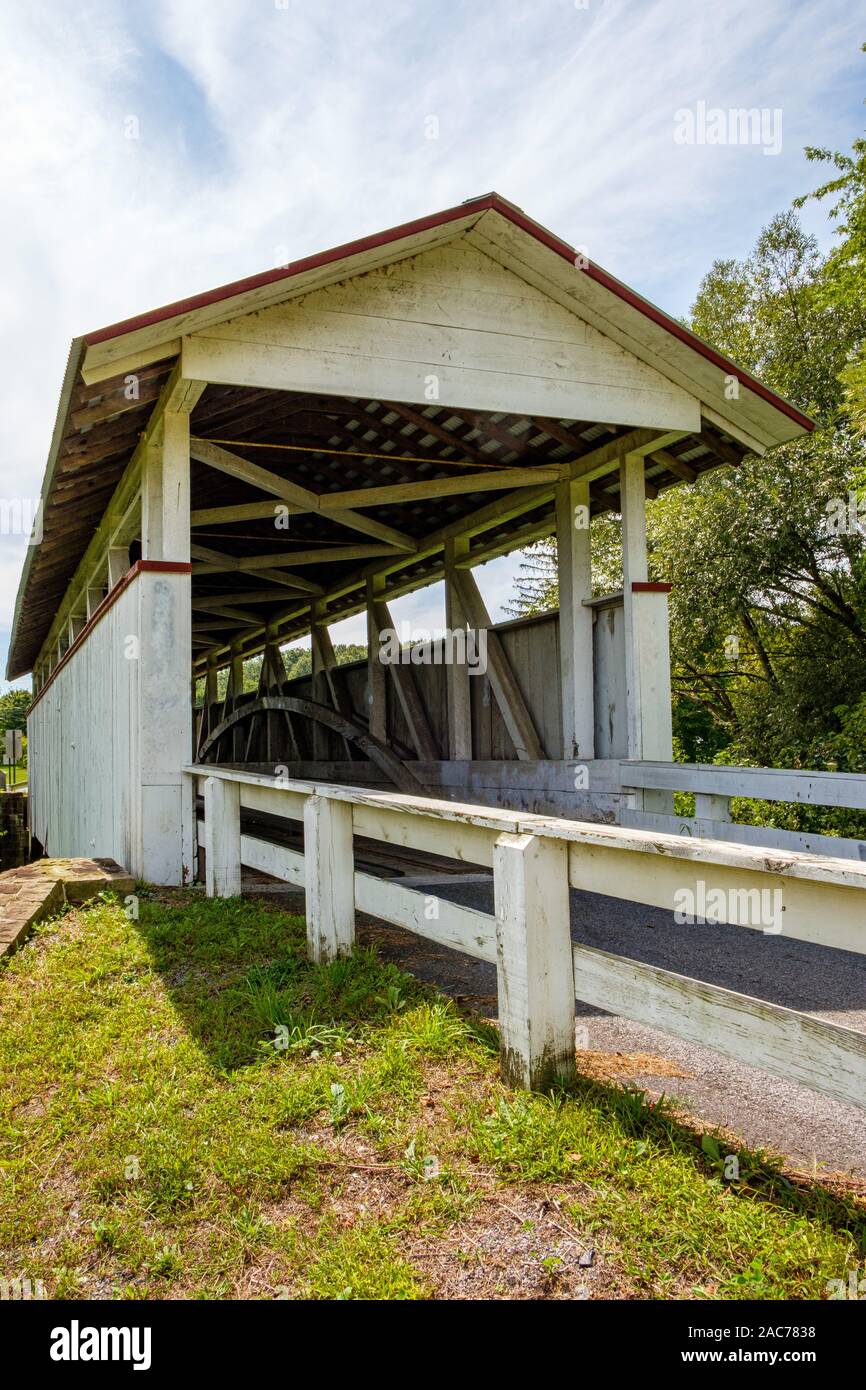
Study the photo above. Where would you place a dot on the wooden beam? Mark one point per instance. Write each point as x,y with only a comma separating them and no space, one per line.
503,682
735,431
319,555
215,562
457,674
114,403
437,431
439,487
408,694
216,457
575,619
245,511
673,464
203,600
719,447
229,611
377,705
561,433
594,463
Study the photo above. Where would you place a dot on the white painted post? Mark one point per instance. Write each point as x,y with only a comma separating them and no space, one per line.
189,830
535,972
647,639
329,875
164,830
712,807
575,619
222,837
165,492
457,672
318,674
634,570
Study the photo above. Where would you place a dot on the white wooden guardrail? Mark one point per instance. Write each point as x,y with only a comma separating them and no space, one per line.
713,788
535,859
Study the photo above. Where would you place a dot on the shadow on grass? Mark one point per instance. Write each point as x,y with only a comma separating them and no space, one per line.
237,974
760,1176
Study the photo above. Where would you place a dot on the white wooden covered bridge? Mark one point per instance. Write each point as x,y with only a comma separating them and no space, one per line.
239,469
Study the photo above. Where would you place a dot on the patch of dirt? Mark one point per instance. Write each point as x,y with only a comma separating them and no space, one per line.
614,1066
515,1247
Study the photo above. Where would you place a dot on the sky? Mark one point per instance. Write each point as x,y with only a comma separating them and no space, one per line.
148,152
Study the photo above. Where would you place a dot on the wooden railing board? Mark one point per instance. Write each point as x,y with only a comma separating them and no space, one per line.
762,836
795,1046
812,788
535,859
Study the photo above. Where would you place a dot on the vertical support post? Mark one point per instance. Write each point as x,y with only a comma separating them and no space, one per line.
236,686
319,670
189,830
222,837
535,965
647,640
165,492
118,564
376,686
408,695
211,691
164,830
709,806
575,618
634,570
457,672
329,873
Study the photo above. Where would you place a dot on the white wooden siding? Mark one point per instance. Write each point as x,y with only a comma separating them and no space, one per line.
492,341
83,744
108,738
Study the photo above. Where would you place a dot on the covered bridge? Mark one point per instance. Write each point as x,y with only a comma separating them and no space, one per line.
236,470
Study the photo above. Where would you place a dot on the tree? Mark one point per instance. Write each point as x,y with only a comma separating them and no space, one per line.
845,269
13,710
768,560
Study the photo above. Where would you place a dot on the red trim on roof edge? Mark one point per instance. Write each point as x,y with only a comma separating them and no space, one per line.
271,277
490,202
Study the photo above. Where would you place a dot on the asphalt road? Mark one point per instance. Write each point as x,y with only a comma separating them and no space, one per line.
807,1128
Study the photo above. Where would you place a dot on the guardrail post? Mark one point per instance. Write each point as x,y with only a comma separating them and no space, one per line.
329,873
222,837
711,807
535,969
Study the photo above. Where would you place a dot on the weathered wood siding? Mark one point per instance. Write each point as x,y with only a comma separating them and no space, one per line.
109,734
532,647
83,744
490,339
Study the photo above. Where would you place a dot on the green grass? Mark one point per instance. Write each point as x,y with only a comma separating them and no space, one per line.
189,1109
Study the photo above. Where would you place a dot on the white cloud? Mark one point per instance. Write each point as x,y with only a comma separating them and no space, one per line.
262,126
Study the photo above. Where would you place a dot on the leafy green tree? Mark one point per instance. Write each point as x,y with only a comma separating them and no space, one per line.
845,268
13,710
768,560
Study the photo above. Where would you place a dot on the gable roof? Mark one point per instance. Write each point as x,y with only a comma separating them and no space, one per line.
97,428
